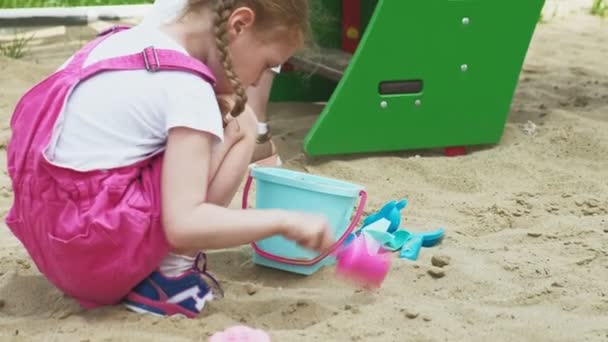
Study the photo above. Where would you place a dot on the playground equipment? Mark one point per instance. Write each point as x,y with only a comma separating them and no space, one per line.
412,74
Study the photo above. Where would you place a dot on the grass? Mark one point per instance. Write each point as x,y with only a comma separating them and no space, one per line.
15,48
67,3
599,8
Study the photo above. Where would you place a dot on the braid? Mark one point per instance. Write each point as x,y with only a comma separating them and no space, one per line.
223,9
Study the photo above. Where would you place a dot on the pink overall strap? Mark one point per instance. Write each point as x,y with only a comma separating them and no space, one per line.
152,60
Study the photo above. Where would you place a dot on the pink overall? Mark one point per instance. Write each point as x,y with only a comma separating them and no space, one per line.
95,235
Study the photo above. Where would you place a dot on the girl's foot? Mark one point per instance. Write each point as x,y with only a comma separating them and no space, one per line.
164,295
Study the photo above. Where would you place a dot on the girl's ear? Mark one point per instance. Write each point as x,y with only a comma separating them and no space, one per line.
241,19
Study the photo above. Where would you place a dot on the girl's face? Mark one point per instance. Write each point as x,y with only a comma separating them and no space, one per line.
251,54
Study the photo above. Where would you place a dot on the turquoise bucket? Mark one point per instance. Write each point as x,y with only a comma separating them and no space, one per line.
291,190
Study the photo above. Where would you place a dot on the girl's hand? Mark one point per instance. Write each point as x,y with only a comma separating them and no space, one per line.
309,231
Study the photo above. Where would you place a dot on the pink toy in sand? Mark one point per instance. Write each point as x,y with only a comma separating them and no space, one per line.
240,333
358,263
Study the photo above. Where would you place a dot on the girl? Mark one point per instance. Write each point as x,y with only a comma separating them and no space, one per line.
123,163
265,152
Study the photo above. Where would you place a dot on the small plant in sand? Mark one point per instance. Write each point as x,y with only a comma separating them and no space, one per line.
15,48
599,8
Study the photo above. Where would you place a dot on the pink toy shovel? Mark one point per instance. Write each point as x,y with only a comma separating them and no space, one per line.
357,263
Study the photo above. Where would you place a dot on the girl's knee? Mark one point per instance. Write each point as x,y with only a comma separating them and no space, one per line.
247,124
242,128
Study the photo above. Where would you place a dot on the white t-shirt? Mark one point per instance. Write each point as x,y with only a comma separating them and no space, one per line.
118,118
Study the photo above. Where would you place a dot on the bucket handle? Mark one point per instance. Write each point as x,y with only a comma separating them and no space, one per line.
302,262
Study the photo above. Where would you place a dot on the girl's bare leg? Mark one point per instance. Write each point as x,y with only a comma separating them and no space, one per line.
258,100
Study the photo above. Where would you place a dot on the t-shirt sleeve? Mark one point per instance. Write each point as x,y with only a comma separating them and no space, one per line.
191,103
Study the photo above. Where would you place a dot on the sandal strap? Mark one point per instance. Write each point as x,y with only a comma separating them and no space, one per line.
264,138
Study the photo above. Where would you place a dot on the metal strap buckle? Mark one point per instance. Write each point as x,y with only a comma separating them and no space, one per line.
156,63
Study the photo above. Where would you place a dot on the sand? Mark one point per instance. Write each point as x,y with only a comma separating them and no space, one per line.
526,227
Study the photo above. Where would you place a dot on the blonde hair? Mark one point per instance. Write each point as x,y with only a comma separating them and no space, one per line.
283,16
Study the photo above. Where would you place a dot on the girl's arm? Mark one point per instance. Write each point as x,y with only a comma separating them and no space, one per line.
192,224
189,222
